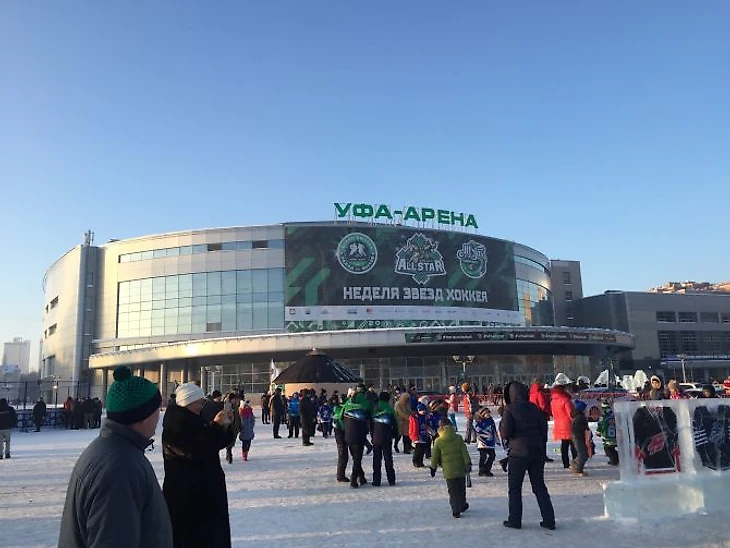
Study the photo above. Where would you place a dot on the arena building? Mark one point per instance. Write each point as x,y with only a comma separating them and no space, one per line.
428,305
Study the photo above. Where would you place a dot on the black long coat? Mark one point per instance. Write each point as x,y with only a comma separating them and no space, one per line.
195,485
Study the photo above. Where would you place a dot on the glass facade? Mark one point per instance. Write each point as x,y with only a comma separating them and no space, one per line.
432,373
222,301
535,302
199,248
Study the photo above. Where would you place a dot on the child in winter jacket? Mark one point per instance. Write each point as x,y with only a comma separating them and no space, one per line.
418,432
607,431
248,422
324,418
487,439
581,436
449,452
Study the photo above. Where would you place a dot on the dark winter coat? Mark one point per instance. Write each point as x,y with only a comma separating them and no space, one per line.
210,409
195,485
113,497
356,429
8,417
306,410
277,406
385,425
522,424
578,426
39,411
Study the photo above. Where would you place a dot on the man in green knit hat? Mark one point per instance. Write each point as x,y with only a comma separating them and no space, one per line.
113,497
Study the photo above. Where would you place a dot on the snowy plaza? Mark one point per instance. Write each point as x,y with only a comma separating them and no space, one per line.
287,493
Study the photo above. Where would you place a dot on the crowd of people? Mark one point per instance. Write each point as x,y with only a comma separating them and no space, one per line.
363,422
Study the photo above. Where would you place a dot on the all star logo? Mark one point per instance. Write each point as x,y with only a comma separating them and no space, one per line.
357,253
420,259
473,259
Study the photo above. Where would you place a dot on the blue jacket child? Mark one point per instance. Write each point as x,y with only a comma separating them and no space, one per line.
324,418
487,437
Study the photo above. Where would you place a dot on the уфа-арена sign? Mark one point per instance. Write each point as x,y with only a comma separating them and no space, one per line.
382,212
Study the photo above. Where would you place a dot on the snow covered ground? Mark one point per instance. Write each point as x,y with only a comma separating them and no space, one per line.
286,493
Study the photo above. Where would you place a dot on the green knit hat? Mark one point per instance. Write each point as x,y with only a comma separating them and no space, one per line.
131,399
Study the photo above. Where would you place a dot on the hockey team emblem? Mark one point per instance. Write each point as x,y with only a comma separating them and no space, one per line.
420,259
473,259
357,253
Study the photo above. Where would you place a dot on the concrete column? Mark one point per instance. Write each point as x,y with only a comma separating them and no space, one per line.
104,382
185,372
203,379
162,385
140,371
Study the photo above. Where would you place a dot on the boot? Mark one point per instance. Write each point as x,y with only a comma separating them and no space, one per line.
245,455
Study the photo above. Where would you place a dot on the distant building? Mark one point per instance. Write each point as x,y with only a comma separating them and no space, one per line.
567,286
672,329
17,352
692,287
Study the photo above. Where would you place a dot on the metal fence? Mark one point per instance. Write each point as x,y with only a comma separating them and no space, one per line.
24,394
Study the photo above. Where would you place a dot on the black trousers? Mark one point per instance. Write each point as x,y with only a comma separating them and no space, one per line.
486,459
380,454
457,494
611,453
342,454
419,451
564,445
294,423
407,447
534,465
277,424
265,416
357,473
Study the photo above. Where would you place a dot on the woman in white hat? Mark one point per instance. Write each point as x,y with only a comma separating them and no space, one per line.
561,405
195,485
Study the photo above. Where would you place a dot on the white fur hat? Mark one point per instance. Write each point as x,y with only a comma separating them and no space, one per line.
188,393
561,379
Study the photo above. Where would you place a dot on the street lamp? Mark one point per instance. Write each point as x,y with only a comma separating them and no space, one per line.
463,360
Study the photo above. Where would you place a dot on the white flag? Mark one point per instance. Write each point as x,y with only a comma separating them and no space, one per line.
274,370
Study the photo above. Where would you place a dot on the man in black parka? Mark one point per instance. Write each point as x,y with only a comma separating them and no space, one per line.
523,427
306,412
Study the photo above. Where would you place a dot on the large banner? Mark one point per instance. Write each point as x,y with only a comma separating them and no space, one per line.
346,277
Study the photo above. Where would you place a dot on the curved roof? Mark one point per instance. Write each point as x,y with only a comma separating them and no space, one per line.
316,368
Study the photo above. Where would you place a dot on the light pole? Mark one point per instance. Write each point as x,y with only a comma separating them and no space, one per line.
463,360
682,358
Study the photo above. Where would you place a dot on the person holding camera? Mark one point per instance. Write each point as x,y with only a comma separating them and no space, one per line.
195,485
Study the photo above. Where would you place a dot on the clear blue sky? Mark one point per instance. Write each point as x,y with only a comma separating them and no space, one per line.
593,131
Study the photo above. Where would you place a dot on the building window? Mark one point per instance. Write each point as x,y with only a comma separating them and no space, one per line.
725,317
568,295
665,317
54,303
260,244
566,278
668,342
688,340
708,317
215,247
687,317
52,329
569,317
